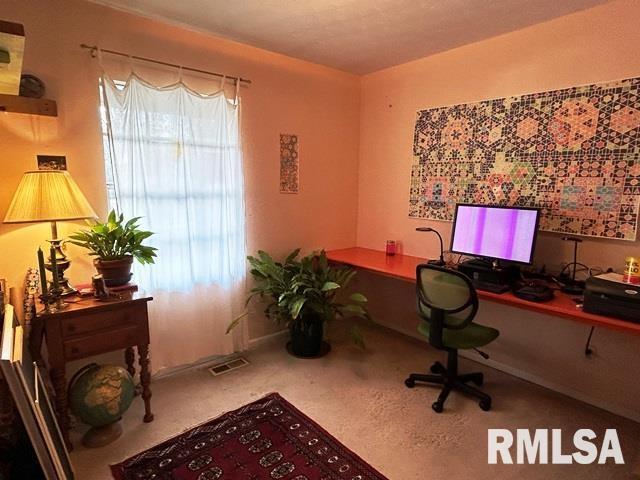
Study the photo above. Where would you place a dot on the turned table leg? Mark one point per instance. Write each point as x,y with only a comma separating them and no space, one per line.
129,358
145,380
60,386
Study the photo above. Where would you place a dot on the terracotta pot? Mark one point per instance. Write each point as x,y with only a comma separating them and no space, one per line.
115,272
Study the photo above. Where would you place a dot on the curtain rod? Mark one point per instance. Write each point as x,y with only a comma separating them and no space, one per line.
94,49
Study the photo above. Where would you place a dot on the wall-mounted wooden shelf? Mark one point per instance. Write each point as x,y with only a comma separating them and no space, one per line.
31,106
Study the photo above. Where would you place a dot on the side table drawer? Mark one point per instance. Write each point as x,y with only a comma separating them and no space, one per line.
103,342
92,322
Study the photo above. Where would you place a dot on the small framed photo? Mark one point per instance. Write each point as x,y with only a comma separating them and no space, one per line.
52,162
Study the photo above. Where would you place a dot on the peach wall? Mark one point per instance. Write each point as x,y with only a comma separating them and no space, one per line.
591,46
587,47
321,105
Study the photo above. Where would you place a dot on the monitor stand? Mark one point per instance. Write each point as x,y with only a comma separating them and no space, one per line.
490,275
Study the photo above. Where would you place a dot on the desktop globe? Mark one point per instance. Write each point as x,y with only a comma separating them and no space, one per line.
99,395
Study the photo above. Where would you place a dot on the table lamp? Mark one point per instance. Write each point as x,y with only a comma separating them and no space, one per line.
50,196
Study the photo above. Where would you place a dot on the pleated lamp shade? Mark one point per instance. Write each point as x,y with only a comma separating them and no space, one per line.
48,195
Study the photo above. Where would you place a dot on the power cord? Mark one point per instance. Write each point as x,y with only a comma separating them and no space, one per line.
588,351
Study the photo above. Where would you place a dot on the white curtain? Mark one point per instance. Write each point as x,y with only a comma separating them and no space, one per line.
174,158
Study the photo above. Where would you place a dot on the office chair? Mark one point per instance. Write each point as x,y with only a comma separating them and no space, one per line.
447,304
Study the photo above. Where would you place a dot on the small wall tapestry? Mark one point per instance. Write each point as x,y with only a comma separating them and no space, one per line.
575,153
289,166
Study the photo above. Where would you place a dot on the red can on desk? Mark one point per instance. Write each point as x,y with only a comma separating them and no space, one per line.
391,247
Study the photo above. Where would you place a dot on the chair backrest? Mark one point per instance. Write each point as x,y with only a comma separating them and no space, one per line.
446,299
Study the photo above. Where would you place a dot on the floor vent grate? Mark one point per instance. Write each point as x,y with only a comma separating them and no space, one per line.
228,365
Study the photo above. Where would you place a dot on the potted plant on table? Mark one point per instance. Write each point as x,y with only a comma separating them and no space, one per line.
303,294
115,244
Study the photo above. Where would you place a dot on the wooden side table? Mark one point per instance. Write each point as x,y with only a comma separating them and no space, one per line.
90,327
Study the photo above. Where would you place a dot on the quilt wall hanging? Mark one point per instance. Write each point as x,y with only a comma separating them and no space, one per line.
575,153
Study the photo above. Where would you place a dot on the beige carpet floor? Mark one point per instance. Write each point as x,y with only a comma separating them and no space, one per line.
361,399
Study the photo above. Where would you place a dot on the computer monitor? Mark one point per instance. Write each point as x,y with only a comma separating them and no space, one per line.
502,233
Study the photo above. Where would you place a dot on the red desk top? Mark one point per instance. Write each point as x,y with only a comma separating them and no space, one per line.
403,267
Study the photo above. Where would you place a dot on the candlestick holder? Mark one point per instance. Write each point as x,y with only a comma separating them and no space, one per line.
56,300
61,304
52,301
45,300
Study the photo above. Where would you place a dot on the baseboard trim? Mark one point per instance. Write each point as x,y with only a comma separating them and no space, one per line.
256,342
556,387
198,364
207,361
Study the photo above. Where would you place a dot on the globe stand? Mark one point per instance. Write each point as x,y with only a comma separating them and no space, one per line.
100,436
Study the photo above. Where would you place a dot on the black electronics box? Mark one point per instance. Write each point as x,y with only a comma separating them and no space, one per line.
486,273
607,294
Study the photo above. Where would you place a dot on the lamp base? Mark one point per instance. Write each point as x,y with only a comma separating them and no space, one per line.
438,263
62,263
66,287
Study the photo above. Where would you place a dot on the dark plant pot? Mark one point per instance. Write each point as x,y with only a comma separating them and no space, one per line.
115,272
306,336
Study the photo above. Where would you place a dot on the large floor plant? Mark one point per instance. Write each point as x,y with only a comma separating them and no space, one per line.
303,294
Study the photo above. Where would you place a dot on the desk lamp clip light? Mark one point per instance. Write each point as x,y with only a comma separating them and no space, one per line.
440,262
570,285
50,196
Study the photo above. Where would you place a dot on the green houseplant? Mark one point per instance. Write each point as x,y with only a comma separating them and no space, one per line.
303,294
115,244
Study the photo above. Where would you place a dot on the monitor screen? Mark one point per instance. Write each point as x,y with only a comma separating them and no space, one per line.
504,233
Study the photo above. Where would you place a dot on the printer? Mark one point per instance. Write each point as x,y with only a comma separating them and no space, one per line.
608,294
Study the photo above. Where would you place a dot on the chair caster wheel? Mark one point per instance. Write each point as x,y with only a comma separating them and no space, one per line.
485,405
410,382
437,407
437,368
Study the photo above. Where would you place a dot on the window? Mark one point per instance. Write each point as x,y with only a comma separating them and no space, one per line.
173,157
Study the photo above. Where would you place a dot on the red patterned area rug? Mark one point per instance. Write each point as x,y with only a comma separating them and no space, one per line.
265,440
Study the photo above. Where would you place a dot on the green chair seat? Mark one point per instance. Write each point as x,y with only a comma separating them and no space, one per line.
472,336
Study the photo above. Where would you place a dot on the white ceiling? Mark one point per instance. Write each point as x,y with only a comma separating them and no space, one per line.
358,36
